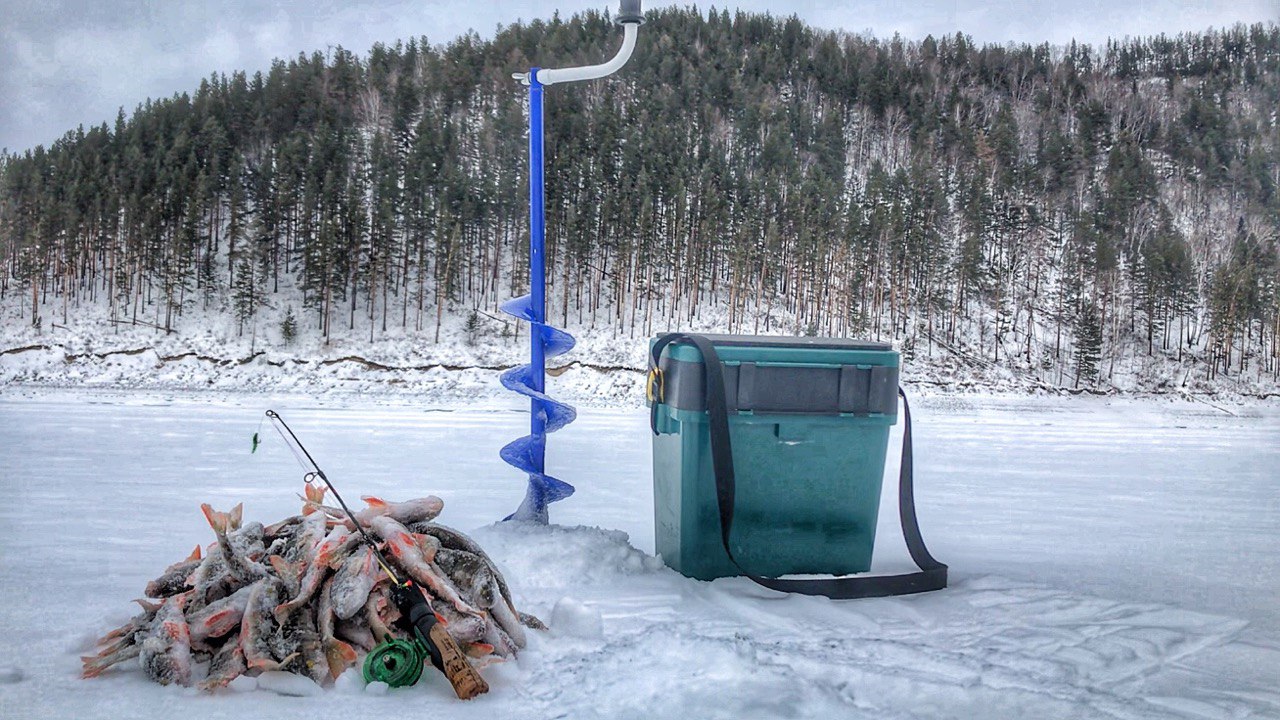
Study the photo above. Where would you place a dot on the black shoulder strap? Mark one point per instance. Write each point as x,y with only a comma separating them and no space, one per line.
932,574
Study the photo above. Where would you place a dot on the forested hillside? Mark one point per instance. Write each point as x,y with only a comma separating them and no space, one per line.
1077,215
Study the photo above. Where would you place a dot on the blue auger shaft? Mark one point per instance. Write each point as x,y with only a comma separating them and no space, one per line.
546,415
537,265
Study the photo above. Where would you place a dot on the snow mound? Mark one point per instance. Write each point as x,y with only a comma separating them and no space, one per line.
557,557
571,618
350,682
243,684
377,687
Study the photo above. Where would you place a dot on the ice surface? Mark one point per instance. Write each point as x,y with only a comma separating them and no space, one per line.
1109,560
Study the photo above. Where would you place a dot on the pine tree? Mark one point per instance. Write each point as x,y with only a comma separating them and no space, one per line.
289,326
1088,344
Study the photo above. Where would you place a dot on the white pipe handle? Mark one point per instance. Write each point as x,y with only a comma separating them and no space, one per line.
591,72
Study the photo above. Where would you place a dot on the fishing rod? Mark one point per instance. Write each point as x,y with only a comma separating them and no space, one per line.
397,662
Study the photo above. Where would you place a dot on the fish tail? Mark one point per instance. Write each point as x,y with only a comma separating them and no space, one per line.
283,610
314,497
340,656
219,521
93,666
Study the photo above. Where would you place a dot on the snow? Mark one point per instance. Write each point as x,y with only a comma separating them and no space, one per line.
1110,559
288,684
571,618
605,368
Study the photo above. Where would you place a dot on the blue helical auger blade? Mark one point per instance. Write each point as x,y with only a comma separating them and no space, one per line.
524,453
521,307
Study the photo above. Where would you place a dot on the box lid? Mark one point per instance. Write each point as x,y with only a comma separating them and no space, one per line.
772,374
832,352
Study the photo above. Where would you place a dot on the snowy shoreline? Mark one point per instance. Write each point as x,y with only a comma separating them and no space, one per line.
411,376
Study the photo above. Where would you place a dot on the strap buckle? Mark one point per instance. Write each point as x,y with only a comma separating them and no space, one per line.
655,386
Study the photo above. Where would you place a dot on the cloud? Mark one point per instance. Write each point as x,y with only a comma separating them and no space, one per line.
70,62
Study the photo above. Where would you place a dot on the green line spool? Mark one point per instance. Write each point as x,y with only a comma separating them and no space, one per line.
396,662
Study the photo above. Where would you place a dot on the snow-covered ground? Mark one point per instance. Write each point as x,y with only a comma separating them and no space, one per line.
1110,559
606,367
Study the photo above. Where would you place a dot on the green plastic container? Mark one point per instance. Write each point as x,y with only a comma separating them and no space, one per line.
809,422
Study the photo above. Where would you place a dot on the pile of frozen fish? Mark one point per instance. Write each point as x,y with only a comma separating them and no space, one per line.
308,595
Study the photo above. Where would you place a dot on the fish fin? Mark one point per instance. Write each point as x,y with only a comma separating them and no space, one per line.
265,665
217,520
195,555
530,621
282,611
92,668
374,502
282,567
429,546
236,516
111,649
340,656
315,493
148,605
479,649
440,619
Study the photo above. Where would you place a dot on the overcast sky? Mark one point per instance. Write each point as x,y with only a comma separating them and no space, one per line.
70,62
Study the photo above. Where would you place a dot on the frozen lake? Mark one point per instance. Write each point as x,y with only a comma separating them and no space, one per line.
1109,559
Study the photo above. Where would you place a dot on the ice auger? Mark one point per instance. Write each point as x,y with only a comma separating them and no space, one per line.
546,414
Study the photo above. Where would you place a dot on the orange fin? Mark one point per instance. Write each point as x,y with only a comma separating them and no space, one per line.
287,571
195,555
315,493
91,668
479,649
340,656
217,520
374,502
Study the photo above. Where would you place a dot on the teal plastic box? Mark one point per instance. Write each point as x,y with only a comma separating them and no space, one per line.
809,421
